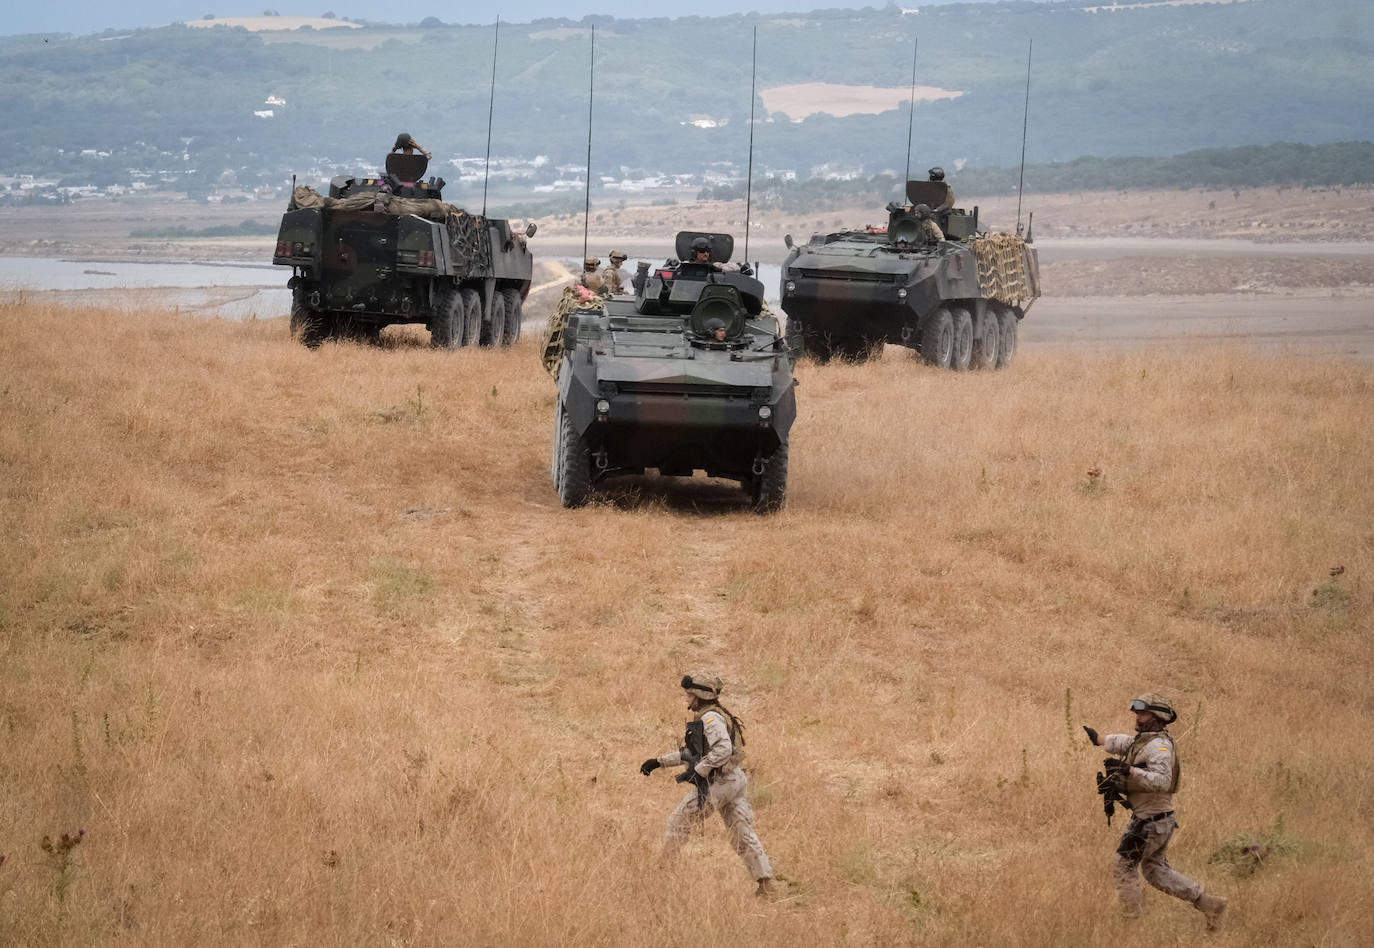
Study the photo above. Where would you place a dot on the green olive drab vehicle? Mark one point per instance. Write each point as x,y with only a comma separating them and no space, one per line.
389,249
955,295
691,373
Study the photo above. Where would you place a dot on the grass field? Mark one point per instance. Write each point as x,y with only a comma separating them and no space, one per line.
302,649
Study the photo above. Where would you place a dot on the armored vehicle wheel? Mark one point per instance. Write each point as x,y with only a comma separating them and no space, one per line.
962,353
937,339
494,327
770,488
1006,349
573,463
446,331
986,347
310,327
472,316
515,312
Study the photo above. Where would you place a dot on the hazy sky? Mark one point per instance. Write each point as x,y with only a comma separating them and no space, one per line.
93,16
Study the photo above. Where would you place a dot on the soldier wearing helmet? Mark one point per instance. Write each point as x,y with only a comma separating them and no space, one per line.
930,231
938,174
701,253
408,145
610,277
715,765
590,278
1149,768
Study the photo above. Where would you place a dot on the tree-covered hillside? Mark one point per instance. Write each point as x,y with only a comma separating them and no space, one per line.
1145,82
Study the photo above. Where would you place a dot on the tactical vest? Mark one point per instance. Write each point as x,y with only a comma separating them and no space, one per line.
1142,740
696,735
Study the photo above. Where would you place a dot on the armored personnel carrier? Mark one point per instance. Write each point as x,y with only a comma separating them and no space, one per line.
957,301
691,373
389,249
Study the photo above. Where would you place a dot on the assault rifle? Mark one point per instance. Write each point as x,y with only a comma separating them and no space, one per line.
693,749
1112,786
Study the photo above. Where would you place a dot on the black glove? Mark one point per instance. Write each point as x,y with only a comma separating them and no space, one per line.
1115,765
685,776
1092,735
746,270
649,766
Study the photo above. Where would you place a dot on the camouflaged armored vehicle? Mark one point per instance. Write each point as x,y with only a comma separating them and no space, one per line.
389,249
691,373
956,301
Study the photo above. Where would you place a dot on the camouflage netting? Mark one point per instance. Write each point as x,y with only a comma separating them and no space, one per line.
467,232
1002,268
571,300
381,201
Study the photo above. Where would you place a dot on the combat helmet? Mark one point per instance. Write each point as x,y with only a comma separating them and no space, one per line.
703,685
1155,704
618,255
591,263
937,173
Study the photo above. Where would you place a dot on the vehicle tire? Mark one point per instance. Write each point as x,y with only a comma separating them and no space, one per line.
770,487
961,355
472,317
556,455
515,312
310,327
446,330
937,339
1006,345
985,349
494,326
574,460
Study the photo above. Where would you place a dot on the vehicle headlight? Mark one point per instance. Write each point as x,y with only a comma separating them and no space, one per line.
901,294
602,406
765,413
789,287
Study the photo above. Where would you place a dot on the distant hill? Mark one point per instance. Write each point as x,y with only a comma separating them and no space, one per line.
672,95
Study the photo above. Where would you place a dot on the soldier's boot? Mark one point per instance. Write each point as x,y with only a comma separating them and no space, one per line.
767,889
1212,907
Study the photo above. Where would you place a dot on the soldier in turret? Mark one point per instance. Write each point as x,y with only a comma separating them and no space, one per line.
408,145
713,753
1145,768
701,253
938,174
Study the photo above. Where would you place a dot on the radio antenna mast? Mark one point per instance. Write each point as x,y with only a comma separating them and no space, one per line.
591,85
911,113
749,179
1025,123
491,110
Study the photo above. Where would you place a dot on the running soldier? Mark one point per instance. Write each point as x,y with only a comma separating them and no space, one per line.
713,753
1145,770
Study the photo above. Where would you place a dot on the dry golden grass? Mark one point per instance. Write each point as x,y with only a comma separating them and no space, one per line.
304,644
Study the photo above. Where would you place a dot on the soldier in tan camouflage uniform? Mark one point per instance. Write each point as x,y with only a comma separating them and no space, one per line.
1148,772
720,776
610,277
590,278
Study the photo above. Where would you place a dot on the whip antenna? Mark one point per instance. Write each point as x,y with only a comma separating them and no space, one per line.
491,108
1025,123
749,175
911,114
591,85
